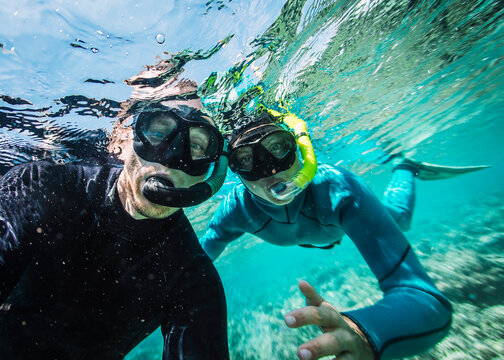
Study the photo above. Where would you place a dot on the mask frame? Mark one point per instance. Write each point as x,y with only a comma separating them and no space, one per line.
174,151
264,164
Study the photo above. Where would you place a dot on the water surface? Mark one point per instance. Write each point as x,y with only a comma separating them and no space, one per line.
371,78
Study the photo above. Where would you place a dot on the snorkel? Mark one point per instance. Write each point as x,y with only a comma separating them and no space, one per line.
287,190
159,191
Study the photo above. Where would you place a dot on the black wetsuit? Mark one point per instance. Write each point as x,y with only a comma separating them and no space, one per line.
81,279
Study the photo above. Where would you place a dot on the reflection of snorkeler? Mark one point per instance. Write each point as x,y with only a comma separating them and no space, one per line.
412,316
93,258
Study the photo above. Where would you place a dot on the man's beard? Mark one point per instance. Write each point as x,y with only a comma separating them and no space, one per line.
137,201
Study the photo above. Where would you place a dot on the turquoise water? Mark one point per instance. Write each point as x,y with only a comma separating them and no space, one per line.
371,78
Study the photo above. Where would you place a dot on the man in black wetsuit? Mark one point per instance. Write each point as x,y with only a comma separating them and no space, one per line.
89,266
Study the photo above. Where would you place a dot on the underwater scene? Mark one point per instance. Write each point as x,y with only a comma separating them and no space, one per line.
374,81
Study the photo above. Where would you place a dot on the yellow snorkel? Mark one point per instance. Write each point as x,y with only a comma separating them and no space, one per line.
291,188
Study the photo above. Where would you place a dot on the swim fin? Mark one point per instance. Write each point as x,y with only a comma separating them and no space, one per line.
426,171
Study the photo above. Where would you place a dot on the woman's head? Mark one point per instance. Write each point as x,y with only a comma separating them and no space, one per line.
263,153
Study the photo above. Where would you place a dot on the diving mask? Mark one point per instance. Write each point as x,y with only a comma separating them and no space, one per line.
179,138
262,151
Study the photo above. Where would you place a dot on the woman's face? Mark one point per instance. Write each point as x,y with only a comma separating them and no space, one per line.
262,187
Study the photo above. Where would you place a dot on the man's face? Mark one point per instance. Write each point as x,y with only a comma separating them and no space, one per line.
137,171
262,187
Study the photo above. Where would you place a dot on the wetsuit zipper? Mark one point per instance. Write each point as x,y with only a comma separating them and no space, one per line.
287,213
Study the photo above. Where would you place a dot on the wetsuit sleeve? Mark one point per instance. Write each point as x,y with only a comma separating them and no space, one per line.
25,201
413,315
224,227
197,325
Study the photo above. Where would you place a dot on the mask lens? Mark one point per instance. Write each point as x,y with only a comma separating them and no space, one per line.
242,159
279,144
159,128
204,143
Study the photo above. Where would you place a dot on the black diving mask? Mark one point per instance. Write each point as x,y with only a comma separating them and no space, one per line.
179,138
262,151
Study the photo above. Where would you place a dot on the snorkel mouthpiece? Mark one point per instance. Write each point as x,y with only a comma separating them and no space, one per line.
157,191
288,190
279,188
162,192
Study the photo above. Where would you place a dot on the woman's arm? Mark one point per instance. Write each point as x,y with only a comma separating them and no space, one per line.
413,315
224,227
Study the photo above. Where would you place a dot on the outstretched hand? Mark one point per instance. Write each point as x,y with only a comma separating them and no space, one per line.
341,337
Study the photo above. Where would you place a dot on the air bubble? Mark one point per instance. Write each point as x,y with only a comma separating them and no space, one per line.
160,38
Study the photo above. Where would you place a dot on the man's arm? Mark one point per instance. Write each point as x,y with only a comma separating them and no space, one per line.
29,195
21,200
10,270
196,327
224,226
19,211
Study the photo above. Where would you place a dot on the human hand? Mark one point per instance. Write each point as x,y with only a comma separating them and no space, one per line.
342,337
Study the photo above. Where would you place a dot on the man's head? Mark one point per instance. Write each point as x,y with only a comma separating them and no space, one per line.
171,141
263,154
166,142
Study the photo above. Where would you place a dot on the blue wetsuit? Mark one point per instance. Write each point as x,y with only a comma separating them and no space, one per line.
81,279
413,315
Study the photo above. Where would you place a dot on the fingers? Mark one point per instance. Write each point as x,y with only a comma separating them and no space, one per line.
311,295
324,316
339,338
335,343
318,312
342,356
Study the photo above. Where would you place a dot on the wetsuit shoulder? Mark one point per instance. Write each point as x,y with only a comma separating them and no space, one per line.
52,177
235,215
34,198
330,192
235,209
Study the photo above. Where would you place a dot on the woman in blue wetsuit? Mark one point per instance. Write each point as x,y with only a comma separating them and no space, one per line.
412,316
